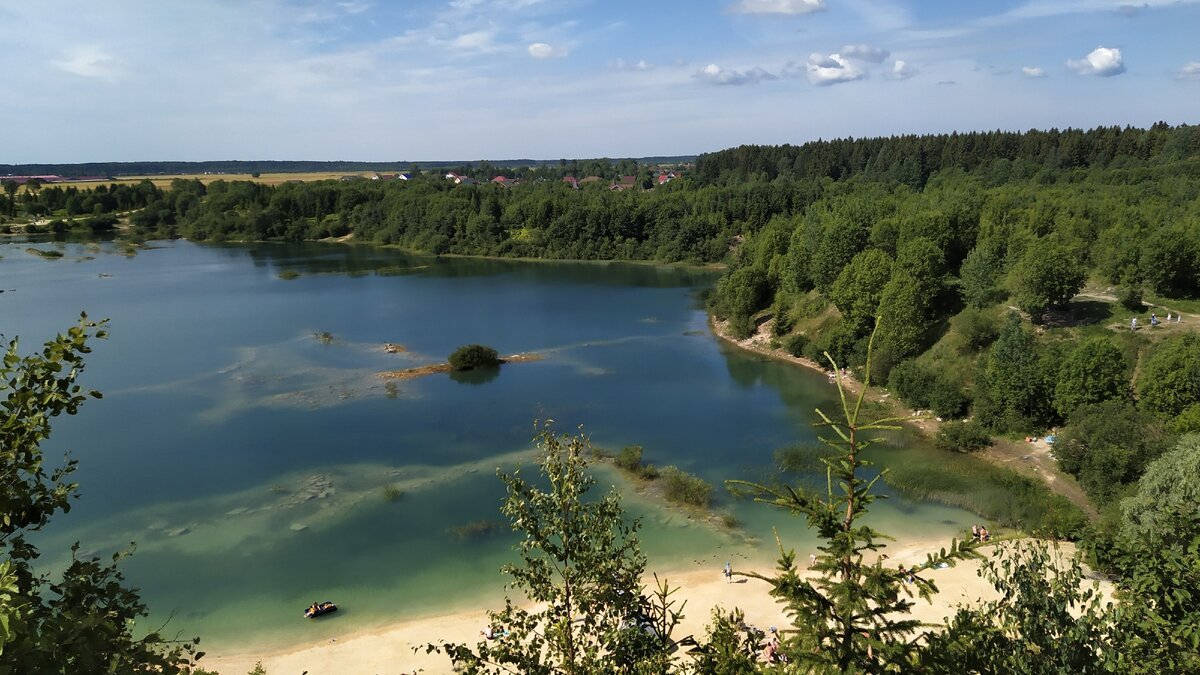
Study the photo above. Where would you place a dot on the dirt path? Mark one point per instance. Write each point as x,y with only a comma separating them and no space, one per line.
1028,459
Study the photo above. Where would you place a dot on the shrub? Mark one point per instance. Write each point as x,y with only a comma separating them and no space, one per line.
962,437
1130,298
741,326
795,344
685,488
630,458
474,356
784,321
978,329
1188,421
912,382
947,399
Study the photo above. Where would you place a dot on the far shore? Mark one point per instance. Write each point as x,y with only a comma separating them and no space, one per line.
400,647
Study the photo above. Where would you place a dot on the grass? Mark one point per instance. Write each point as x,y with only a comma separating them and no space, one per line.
266,178
392,493
682,487
995,493
48,255
324,337
288,275
473,530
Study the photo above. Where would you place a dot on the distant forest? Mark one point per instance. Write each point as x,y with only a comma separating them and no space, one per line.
110,169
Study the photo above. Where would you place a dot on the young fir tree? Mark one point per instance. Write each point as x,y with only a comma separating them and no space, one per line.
581,568
850,616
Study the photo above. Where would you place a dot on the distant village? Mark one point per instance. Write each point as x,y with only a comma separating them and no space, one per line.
618,184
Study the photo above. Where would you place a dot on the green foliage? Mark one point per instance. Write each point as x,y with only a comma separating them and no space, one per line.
1047,620
743,292
630,458
730,648
850,616
947,399
795,344
1108,445
857,289
685,488
580,569
922,389
1047,275
1130,298
1014,383
1170,260
1188,421
980,276
905,320
1165,509
978,329
958,436
392,493
468,357
1095,371
1170,380
84,621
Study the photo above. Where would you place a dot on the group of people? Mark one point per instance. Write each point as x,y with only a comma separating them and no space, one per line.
494,632
1154,320
980,533
770,649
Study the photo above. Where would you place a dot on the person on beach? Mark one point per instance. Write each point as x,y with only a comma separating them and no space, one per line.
984,535
1133,323
728,573
1153,320
812,560
974,531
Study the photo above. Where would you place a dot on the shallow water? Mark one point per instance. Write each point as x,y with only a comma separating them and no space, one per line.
249,460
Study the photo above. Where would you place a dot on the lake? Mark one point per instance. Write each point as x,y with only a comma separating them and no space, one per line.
259,468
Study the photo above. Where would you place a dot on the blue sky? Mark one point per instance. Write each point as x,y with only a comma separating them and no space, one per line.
126,80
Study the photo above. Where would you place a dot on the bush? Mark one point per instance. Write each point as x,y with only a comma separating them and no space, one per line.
1130,298
912,382
795,344
630,458
962,437
741,326
784,321
1188,421
474,356
978,329
947,399
685,488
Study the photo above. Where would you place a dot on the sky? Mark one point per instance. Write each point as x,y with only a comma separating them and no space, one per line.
400,80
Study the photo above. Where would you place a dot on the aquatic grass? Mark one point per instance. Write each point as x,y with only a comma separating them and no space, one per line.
997,494
288,275
392,493
685,488
473,530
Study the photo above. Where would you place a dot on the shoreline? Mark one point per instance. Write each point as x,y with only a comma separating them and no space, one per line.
399,646
1031,460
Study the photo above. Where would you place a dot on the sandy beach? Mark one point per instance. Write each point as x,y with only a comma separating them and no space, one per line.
390,650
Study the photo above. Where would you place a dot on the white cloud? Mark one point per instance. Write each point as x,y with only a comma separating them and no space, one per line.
827,70
1190,71
714,74
777,6
902,70
641,65
541,50
478,41
1102,61
1033,71
864,53
91,62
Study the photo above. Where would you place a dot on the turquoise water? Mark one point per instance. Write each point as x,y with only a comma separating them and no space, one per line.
249,460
